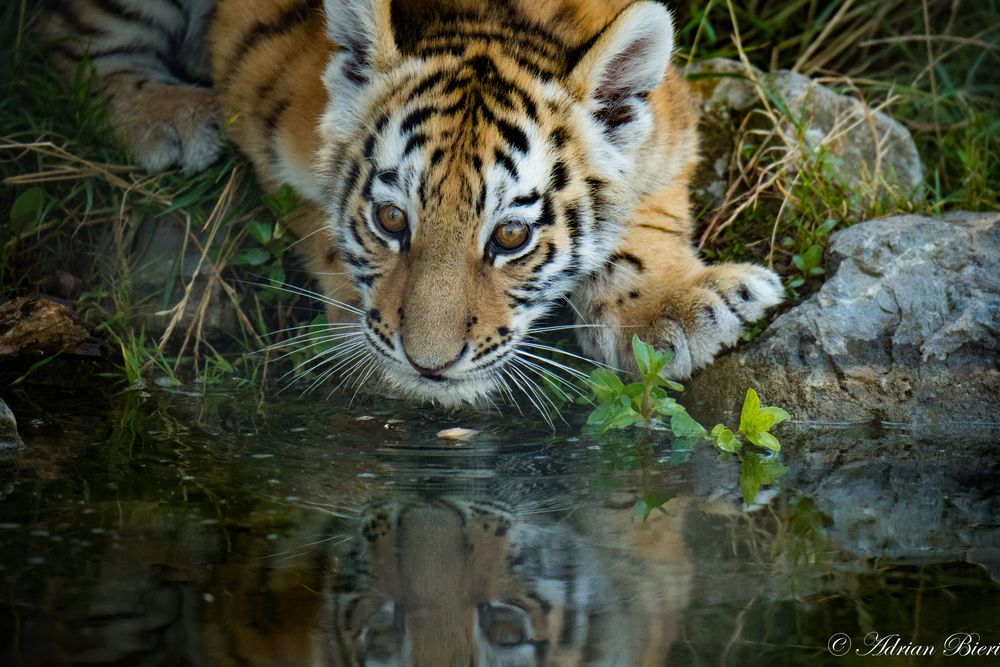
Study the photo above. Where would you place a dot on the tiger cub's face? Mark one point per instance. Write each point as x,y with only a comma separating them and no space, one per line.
475,178
452,583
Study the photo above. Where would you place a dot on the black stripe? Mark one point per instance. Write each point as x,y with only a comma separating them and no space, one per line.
527,200
628,258
289,19
414,119
559,137
120,11
548,216
572,214
673,232
560,178
130,50
273,118
513,135
504,160
416,141
388,176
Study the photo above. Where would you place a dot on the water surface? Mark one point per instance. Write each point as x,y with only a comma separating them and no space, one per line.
180,529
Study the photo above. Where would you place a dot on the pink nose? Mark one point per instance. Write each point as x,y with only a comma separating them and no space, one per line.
430,370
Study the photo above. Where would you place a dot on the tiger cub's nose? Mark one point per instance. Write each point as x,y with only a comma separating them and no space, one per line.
432,367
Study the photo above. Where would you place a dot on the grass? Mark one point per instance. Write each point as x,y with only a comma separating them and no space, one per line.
77,221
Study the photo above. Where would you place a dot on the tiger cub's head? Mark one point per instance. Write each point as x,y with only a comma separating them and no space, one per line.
452,583
476,171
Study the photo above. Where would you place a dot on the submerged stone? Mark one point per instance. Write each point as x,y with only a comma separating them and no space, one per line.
9,439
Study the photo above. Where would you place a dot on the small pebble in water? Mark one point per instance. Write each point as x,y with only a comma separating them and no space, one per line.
364,418
457,434
208,597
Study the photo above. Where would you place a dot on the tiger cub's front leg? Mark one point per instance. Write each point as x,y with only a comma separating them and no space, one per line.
655,286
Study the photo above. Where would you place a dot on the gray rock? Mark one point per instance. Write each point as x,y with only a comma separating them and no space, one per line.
9,439
870,155
906,329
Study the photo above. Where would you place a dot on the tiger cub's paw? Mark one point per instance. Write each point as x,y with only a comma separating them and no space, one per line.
169,125
714,313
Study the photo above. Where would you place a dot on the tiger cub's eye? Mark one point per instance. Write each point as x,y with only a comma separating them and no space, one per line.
391,218
511,236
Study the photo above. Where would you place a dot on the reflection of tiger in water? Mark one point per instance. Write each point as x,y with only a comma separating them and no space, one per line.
469,164
449,583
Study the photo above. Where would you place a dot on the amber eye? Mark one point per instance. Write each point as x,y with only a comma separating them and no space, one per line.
511,236
391,219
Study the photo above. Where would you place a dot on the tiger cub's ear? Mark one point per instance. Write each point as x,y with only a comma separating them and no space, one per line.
362,29
625,62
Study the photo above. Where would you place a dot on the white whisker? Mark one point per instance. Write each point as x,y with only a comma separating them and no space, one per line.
566,327
317,342
549,348
528,389
302,291
562,382
539,391
555,364
325,356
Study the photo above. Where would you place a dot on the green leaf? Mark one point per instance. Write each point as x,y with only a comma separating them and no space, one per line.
614,415
827,227
667,406
751,405
636,392
283,202
26,211
814,256
765,440
645,355
277,274
757,471
773,415
661,381
606,384
623,417
601,414
650,501
725,439
251,257
684,425
750,477
261,232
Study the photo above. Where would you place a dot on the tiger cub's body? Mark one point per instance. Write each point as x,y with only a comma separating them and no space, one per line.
469,165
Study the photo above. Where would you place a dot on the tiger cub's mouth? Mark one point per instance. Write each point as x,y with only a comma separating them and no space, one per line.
468,378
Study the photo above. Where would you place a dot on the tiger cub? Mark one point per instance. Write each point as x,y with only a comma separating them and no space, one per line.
470,165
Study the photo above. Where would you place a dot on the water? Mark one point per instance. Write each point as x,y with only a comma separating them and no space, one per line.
219,530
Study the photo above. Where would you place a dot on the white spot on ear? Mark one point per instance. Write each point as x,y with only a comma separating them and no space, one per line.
627,61
363,31
630,57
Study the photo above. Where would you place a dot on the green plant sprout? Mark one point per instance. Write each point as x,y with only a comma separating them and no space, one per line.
646,403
